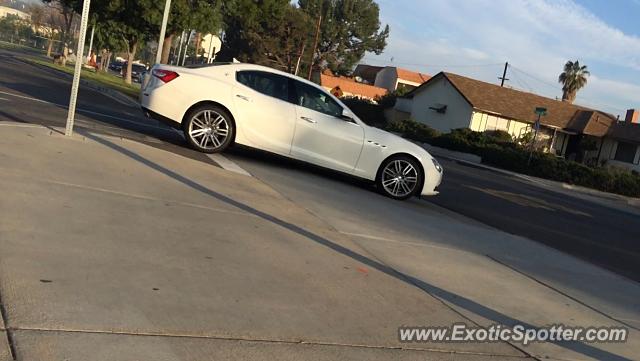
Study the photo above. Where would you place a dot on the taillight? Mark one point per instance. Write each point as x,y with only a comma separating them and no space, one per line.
165,75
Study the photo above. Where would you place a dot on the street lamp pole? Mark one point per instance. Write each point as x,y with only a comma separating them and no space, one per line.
163,30
78,69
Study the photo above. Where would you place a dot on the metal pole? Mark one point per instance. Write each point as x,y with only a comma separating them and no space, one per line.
177,61
93,29
315,46
533,141
298,62
76,75
504,74
210,48
186,47
163,30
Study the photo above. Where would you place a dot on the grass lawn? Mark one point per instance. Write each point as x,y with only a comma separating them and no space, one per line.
104,79
11,46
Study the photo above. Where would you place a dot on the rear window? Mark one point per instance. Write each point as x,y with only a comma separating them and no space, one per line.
273,85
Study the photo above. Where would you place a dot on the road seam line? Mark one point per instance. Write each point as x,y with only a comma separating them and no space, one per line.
258,340
383,239
82,110
601,313
143,197
139,196
227,164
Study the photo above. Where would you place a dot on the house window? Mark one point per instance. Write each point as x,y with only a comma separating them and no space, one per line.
625,152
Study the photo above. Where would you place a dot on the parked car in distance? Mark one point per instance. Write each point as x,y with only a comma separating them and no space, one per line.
116,66
138,71
271,110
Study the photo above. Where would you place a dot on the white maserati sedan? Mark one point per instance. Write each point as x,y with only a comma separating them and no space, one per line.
263,108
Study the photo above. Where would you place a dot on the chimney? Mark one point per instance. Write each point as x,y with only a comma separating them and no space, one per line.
632,117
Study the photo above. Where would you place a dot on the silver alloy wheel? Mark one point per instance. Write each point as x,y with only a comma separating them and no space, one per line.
399,178
208,129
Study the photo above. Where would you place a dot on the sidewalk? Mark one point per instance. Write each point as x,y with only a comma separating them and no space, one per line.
627,204
112,247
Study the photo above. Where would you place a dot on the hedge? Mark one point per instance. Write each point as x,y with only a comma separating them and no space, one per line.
498,149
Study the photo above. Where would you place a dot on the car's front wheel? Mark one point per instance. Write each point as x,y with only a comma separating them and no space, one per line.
399,177
209,129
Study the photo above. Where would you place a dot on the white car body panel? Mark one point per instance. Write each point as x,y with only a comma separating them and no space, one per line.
281,127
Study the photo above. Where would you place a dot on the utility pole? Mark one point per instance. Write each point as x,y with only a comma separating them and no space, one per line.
504,74
163,29
315,46
93,29
177,61
299,57
78,69
186,47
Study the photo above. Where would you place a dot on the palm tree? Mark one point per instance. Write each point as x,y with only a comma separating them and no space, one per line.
573,78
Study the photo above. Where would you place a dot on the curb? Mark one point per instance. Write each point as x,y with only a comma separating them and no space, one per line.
113,94
632,202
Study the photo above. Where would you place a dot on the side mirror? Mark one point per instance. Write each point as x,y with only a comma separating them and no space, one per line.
347,116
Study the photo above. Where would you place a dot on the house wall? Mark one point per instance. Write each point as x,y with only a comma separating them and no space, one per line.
4,11
608,154
436,94
559,145
404,105
482,121
387,78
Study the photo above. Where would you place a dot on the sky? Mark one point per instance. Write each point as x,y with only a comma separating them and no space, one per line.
476,37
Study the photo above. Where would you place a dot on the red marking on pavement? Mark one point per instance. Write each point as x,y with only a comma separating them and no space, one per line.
363,270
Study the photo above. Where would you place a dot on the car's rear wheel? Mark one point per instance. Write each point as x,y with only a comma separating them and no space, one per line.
209,129
399,177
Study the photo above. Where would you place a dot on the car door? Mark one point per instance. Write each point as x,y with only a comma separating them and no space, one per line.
322,136
265,116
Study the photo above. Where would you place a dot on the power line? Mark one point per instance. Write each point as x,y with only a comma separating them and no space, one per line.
522,82
430,65
555,87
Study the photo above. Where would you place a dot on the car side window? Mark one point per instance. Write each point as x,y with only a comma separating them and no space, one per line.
313,98
273,85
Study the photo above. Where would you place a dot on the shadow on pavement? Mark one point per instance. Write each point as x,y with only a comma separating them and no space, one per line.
434,291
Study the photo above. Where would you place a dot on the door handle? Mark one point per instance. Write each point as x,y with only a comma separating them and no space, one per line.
242,97
309,120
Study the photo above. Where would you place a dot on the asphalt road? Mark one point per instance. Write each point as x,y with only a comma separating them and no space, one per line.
602,235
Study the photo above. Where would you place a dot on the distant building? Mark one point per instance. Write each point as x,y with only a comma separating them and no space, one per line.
341,86
4,11
621,145
390,77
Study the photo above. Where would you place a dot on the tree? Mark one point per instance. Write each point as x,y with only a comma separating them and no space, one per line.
109,41
68,10
268,32
200,15
573,78
132,21
349,29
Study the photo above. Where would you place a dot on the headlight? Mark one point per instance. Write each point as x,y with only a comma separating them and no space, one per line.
437,165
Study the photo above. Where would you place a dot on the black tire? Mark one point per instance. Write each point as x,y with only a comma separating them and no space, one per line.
209,128
407,184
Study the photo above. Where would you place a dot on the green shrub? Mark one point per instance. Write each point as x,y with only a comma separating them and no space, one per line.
498,149
413,130
498,136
